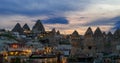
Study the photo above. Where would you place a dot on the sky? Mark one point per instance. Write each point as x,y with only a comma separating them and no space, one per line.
64,15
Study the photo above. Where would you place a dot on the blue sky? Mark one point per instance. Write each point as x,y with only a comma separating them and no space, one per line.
64,15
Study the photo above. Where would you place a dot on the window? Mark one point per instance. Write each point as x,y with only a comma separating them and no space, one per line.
89,47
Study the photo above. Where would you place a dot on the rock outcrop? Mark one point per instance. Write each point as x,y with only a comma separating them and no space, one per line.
38,27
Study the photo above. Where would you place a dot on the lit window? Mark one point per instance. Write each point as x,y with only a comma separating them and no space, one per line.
15,46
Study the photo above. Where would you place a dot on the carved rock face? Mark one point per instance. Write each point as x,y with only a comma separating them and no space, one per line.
98,33
117,34
17,28
38,27
89,32
26,27
75,33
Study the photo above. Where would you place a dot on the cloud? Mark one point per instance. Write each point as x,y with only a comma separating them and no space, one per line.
56,20
26,11
117,25
112,23
40,7
100,22
65,15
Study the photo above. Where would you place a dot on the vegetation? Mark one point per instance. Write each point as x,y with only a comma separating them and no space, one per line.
8,36
64,42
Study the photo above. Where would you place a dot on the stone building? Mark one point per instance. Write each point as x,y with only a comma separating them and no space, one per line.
76,42
99,40
116,43
108,42
89,43
92,43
